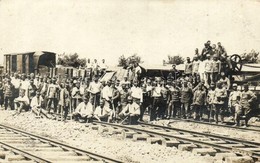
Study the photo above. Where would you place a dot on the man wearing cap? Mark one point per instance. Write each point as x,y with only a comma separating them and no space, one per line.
52,95
233,98
132,110
8,94
64,100
219,99
247,99
21,102
186,97
174,101
84,110
198,102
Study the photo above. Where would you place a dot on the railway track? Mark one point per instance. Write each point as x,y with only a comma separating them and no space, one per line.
201,143
20,146
226,125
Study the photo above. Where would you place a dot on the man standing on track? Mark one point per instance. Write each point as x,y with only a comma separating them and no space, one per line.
247,97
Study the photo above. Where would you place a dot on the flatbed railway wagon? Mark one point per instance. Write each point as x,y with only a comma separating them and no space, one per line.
31,62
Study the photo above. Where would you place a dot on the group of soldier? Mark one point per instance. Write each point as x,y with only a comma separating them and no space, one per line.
203,90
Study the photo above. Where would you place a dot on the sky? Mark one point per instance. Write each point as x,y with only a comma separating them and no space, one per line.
107,29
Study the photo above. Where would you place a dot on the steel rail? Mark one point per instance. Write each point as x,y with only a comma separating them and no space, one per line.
219,147
24,153
245,142
220,125
61,145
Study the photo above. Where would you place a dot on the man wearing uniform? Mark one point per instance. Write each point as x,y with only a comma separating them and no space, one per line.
8,94
247,97
52,95
186,97
174,101
198,102
234,94
219,99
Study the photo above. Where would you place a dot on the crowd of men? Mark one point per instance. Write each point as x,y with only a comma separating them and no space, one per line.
203,90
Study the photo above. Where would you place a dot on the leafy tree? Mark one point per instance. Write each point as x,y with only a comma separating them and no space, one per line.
71,60
124,62
177,59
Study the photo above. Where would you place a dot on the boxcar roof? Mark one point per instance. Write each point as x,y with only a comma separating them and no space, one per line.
37,53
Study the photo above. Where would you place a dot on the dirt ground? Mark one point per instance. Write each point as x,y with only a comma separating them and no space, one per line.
77,134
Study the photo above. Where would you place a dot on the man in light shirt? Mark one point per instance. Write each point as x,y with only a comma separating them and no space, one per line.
95,89
136,93
132,110
21,102
102,112
107,94
84,111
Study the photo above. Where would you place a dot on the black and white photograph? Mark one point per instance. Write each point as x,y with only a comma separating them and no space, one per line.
130,81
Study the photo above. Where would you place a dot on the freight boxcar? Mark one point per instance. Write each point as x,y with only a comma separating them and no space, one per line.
31,62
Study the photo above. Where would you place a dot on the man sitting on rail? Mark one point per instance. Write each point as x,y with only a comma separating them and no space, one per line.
131,111
84,110
103,113
21,102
